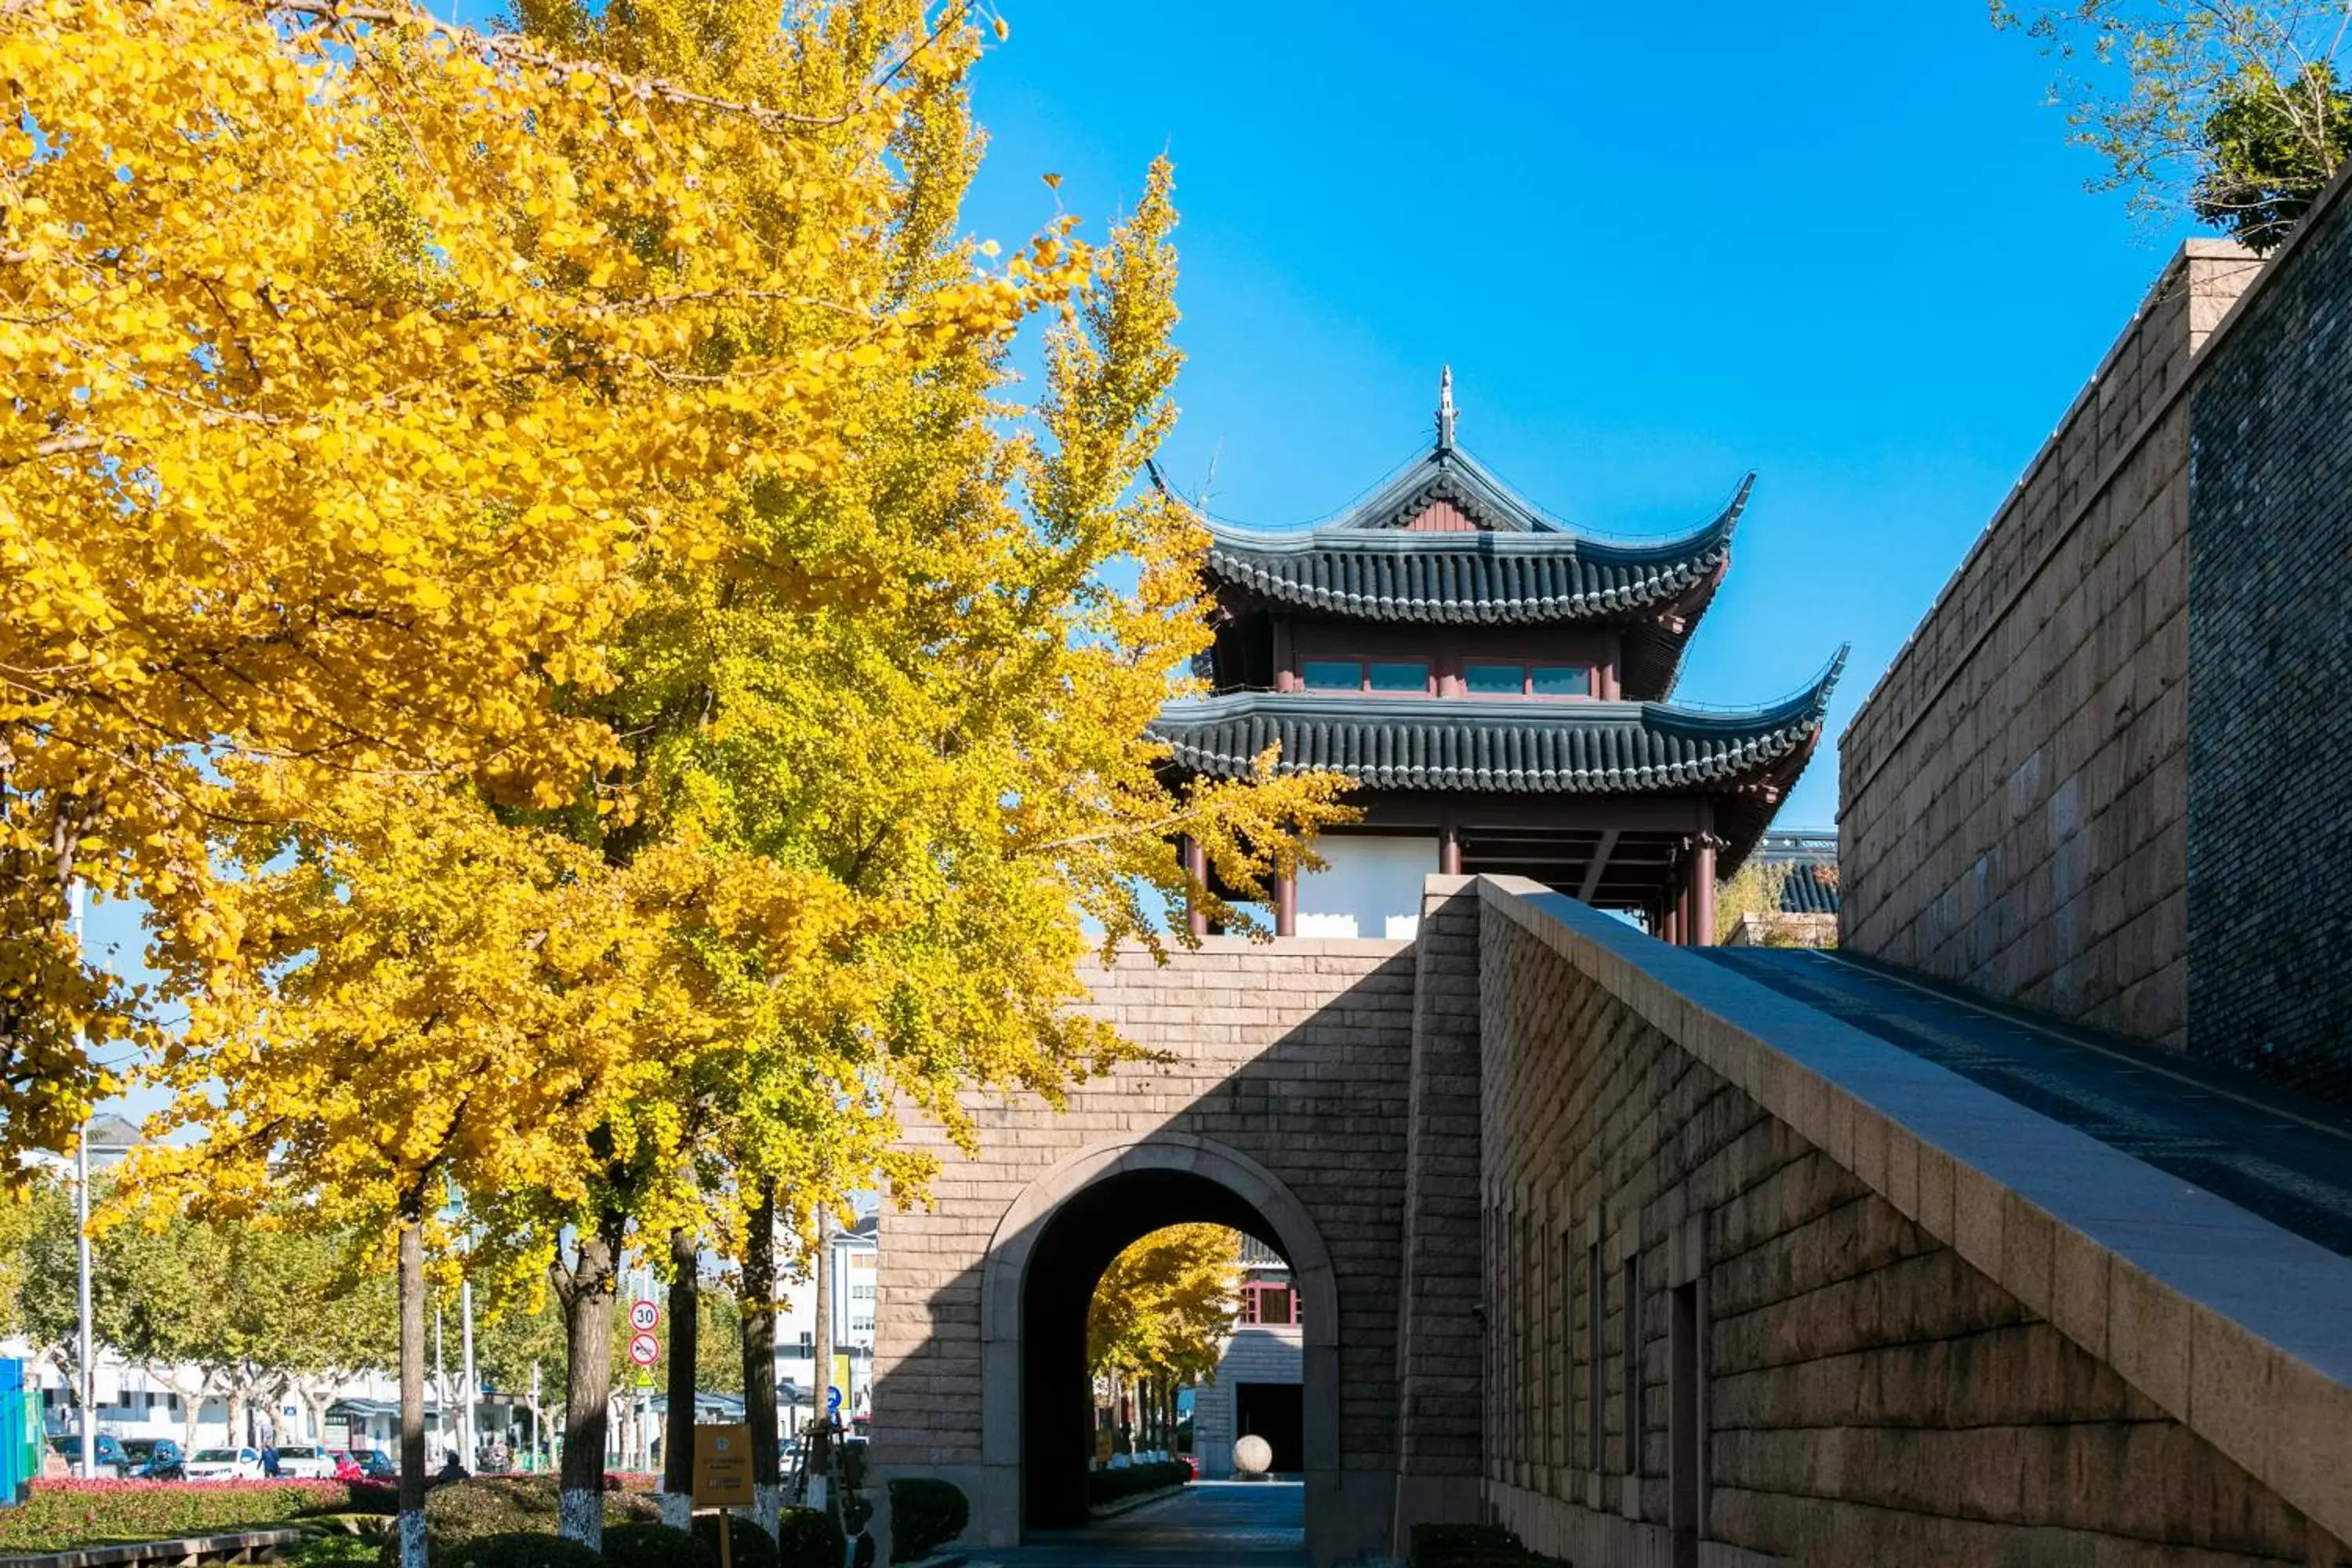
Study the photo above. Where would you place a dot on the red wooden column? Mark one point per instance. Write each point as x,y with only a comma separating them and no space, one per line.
1196,867
1286,903
1449,849
1702,890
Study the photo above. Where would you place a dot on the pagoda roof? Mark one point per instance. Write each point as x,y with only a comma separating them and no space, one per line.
1496,561
1507,746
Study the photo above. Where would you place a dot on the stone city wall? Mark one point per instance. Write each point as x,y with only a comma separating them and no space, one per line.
1713,1339
2014,792
2270,553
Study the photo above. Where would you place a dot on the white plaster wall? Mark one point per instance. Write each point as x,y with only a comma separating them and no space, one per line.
1371,888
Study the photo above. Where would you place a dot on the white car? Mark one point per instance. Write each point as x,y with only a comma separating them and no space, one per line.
224,1464
302,1462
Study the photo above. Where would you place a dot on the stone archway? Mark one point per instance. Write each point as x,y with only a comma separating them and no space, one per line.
1048,1249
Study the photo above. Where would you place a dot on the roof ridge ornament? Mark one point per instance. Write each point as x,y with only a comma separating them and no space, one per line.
1445,411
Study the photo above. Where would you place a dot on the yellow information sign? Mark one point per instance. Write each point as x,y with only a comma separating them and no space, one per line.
722,1467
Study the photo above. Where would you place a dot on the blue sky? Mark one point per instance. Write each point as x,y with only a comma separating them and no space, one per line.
1843,245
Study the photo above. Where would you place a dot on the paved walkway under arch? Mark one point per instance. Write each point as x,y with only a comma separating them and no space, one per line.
1244,1525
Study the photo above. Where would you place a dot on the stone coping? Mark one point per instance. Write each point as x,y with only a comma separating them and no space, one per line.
192,1549
1234,946
2240,1329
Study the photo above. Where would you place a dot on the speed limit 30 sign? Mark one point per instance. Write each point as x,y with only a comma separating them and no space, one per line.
644,1316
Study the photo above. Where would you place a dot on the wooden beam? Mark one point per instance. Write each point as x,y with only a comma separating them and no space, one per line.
1600,864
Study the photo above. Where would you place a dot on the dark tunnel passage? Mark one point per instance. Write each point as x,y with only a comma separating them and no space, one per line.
1073,1249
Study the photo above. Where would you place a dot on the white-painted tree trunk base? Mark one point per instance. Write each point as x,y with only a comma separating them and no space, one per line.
768,1507
579,1515
412,1538
677,1509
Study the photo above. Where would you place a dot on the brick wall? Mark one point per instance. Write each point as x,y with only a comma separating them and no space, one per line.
1857,1393
1294,1055
2014,792
2270,711
1439,1393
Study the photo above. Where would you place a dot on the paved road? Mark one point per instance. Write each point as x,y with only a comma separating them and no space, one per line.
1211,1524
2286,1158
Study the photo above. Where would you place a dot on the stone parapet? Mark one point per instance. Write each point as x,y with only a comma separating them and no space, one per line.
1757,1279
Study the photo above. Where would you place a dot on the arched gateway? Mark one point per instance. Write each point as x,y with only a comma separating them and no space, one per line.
1276,1103
1042,1264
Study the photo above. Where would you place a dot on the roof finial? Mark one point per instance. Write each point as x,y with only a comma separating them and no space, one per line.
1445,410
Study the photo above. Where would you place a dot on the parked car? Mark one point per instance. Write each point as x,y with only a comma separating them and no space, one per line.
305,1462
346,1468
111,1459
224,1465
375,1465
154,1459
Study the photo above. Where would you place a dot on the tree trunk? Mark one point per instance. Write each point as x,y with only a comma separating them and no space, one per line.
412,1387
586,1290
685,1336
760,1362
820,1452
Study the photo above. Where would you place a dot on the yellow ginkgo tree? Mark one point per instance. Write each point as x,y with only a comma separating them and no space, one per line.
814,803
356,366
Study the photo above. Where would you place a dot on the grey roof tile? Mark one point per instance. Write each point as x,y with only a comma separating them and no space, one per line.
1567,748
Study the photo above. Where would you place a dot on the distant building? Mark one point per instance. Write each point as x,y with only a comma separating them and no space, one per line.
1259,1386
1499,687
1796,880
856,1271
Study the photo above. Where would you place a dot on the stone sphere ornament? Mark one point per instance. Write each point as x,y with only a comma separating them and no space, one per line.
1253,1455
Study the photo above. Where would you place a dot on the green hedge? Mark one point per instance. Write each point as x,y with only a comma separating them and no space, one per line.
1111,1486
807,1539
647,1545
750,1546
58,1515
462,1511
926,1513
521,1548
1473,1546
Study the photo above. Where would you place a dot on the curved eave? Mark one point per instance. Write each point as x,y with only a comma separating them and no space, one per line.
1519,575
1580,748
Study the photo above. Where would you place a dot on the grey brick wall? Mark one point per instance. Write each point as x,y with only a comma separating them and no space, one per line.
1869,1397
2014,792
2270,708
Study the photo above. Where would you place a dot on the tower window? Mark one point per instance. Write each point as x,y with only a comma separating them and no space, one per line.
1333,675
1487,678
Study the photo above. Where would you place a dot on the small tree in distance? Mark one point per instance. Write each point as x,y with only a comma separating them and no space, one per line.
1160,1316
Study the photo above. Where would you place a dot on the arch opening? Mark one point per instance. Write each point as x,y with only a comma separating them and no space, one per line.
1051,1250
1073,1249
